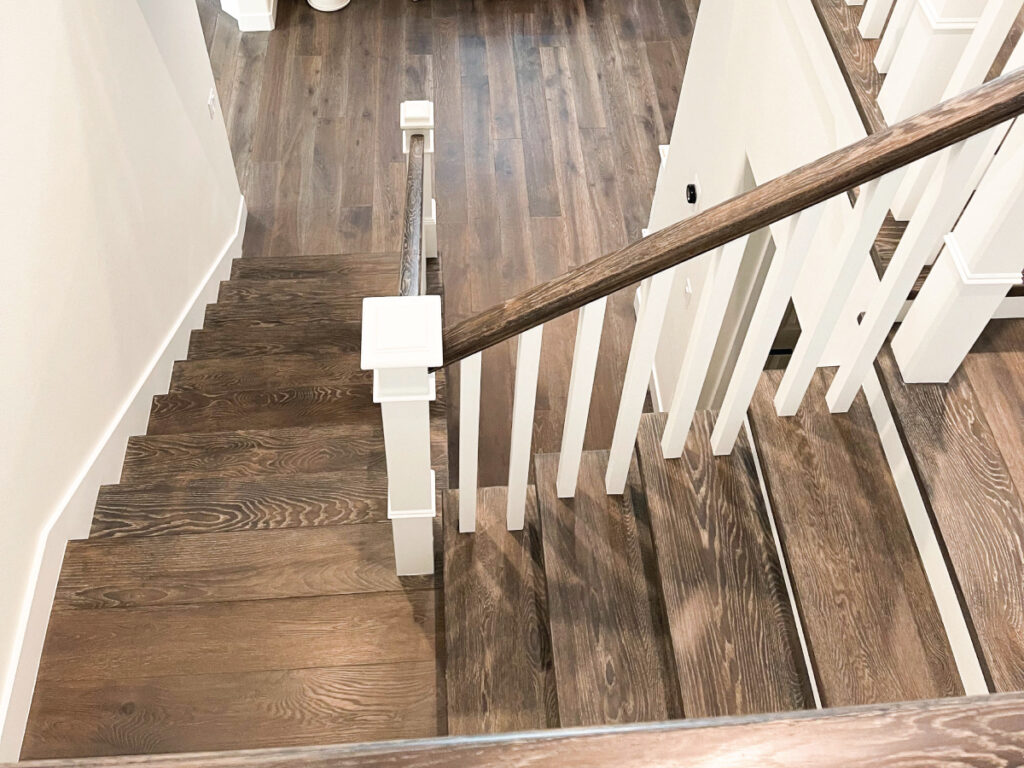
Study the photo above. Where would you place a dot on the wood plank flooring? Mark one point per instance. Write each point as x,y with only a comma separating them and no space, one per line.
872,627
965,440
609,661
733,633
498,653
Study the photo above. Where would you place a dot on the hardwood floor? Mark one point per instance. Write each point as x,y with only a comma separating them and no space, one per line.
872,627
548,120
965,440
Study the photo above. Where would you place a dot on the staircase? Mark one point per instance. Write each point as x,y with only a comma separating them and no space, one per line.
238,588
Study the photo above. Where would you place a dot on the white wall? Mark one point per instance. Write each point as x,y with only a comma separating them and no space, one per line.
119,209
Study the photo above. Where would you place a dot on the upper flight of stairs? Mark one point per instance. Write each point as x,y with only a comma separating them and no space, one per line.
238,588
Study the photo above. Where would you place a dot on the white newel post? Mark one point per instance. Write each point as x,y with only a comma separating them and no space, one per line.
401,341
417,117
981,260
890,41
929,49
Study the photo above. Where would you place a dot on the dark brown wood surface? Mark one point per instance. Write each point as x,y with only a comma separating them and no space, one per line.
339,337
609,664
412,231
837,172
979,732
217,711
870,620
735,643
972,491
363,270
497,650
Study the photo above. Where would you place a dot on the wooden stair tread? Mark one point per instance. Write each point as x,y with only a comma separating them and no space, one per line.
277,292
246,710
341,337
498,655
353,267
211,504
222,567
954,433
869,617
245,453
246,636
223,375
608,662
262,313
733,633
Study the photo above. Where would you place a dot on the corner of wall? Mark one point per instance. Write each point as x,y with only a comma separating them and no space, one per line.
73,517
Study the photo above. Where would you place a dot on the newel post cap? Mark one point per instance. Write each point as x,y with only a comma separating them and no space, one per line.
417,117
401,332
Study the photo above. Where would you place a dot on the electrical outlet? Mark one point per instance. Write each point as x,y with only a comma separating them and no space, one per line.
211,103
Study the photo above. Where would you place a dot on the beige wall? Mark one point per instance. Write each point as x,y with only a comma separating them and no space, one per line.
118,198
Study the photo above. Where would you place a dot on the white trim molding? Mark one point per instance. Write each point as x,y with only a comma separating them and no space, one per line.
73,515
1009,279
252,15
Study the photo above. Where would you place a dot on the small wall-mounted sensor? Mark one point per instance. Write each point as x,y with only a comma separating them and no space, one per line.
691,193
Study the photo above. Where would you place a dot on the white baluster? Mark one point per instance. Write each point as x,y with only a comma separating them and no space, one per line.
525,398
638,375
693,370
981,261
581,387
764,324
872,21
890,42
401,340
991,30
469,440
849,257
943,202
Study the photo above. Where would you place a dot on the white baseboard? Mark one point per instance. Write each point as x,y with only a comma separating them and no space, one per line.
260,16
74,516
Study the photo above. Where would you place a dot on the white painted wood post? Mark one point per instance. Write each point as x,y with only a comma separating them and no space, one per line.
401,341
942,203
764,325
252,15
932,44
523,404
848,258
991,30
982,259
890,41
693,370
872,21
417,117
646,333
469,440
581,388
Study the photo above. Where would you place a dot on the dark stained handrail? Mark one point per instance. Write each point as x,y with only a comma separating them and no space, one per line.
901,144
979,731
412,234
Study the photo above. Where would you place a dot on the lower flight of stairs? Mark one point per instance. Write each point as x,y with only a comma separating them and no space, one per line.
672,600
238,589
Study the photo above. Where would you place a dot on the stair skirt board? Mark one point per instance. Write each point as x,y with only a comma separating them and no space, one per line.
73,518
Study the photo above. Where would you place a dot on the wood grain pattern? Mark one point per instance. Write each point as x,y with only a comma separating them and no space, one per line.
979,732
340,337
297,310
607,658
732,629
412,230
266,635
869,617
497,649
214,504
972,493
839,171
220,376
217,712
222,567
355,268
275,292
